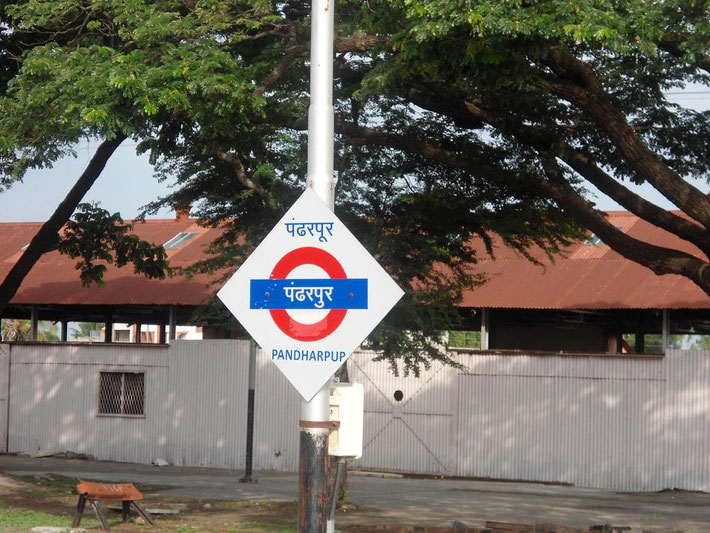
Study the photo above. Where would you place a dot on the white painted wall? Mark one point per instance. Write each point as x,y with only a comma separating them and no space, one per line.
613,421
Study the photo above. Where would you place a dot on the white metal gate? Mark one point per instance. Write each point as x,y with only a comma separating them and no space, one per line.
413,431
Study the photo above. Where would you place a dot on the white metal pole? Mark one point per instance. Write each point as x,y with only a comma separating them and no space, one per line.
313,476
320,112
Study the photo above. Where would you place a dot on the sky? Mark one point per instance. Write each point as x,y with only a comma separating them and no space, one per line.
127,183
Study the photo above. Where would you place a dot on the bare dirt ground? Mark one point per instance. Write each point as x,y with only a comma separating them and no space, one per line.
52,495
212,500
56,495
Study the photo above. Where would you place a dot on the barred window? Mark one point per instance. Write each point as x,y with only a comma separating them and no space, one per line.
121,393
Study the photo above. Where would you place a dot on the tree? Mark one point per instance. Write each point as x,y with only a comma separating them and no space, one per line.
21,330
454,119
84,330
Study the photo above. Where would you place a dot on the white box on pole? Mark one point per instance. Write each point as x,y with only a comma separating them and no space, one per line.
347,406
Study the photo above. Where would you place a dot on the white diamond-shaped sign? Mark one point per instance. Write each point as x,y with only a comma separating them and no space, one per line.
309,294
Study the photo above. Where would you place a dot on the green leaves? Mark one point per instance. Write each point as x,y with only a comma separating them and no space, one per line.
97,238
428,152
87,69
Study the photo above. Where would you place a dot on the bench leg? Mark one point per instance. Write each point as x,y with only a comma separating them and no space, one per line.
100,515
79,510
126,510
145,514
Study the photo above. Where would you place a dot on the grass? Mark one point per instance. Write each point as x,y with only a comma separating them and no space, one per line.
13,519
51,501
266,527
239,527
21,520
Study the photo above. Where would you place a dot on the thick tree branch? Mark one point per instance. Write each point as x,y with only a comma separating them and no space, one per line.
545,139
289,55
476,166
672,45
242,177
359,41
46,238
591,98
584,165
659,259
463,113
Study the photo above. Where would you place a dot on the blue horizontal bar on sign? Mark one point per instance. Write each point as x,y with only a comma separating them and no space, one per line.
308,294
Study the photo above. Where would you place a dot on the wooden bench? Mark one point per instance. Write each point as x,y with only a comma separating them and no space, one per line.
126,493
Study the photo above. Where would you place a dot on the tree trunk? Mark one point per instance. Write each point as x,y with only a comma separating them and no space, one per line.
46,238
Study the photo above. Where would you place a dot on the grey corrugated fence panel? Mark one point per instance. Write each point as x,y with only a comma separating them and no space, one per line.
53,401
687,435
207,403
4,383
615,422
277,408
592,421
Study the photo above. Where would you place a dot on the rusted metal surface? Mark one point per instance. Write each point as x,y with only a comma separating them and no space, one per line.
109,491
93,492
325,425
587,276
54,279
313,494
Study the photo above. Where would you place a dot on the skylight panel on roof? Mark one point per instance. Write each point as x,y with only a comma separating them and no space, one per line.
179,239
593,240
596,241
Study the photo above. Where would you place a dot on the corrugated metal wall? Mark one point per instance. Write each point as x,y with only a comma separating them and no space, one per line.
206,403
4,404
277,409
685,438
614,422
591,421
53,401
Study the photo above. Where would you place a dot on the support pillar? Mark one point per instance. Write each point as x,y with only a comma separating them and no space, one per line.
173,326
65,331
249,459
108,329
485,329
666,330
639,337
34,323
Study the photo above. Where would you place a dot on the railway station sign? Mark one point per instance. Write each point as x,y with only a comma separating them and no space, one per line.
310,294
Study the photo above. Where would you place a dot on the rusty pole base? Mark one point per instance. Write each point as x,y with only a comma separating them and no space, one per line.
313,493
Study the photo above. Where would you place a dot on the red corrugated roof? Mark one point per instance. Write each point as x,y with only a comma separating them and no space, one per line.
54,280
586,277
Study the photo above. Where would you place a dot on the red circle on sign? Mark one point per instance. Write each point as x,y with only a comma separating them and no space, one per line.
308,255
